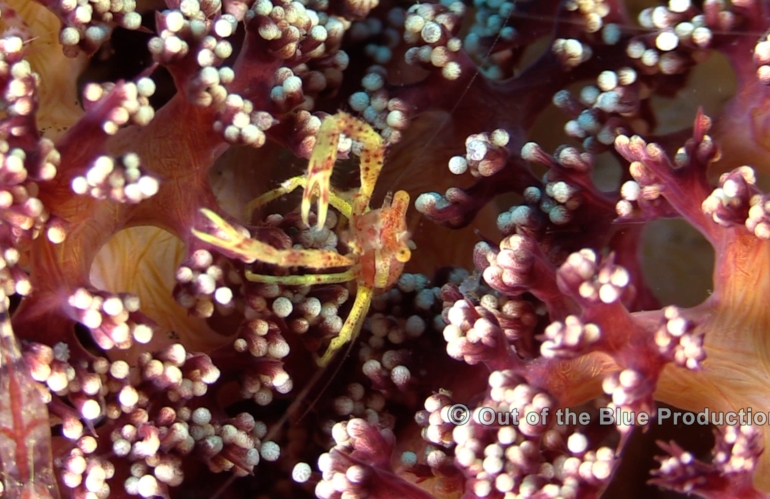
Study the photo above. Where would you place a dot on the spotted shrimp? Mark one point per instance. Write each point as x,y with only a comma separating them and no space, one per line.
378,239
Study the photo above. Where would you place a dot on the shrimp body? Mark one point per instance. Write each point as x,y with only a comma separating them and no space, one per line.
25,434
378,239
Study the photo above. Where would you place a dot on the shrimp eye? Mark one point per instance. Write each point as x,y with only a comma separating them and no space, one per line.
403,255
